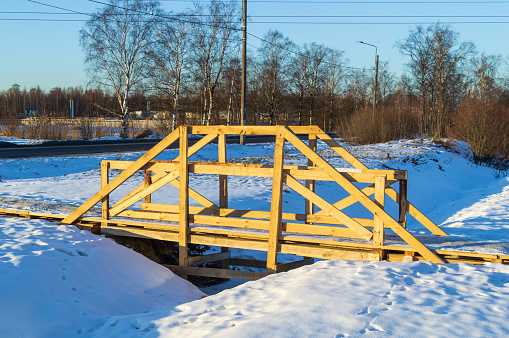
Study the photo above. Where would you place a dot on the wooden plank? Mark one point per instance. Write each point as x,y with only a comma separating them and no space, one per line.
378,231
284,267
160,168
309,207
412,210
276,206
341,151
148,182
233,130
248,263
118,207
418,215
291,227
216,273
323,204
299,172
348,201
223,190
208,258
105,205
362,198
223,183
183,197
327,252
122,177
402,202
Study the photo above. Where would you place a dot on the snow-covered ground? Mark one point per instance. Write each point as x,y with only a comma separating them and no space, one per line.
58,281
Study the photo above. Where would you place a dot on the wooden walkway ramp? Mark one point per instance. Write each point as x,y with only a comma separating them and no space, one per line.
327,232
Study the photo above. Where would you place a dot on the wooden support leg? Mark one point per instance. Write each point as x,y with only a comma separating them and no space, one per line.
105,206
148,182
223,190
310,184
276,213
183,197
402,201
378,231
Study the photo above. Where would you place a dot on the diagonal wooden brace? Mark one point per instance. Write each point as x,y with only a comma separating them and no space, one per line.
323,204
122,177
361,197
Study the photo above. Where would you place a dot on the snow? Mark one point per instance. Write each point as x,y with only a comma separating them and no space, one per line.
58,281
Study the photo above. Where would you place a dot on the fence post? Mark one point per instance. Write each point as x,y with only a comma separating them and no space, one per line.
310,184
105,205
403,202
148,182
183,197
378,233
223,188
276,213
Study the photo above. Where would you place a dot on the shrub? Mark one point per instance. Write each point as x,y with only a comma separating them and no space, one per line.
483,125
388,123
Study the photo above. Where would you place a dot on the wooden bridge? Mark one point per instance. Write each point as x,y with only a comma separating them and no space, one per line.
327,232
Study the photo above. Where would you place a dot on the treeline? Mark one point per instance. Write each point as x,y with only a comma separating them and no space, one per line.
188,64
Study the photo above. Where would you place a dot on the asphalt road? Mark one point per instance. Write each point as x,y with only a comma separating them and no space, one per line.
67,148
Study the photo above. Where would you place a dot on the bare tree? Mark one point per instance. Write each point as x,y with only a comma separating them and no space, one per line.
333,77
116,40
484,70
436,59
214,31
170,60
272,72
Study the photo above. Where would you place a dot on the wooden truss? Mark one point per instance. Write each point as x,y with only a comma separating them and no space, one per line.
310,234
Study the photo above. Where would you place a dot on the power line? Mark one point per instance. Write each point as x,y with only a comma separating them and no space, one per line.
354,2
296,16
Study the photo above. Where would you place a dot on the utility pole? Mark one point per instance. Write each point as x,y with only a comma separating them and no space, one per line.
243,89
376,75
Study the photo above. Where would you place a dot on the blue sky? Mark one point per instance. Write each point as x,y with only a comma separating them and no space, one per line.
47,54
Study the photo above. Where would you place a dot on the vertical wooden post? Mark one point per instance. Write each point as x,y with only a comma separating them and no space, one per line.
105,206
183,197
378,233
223,188
310,184
148,181
276,212
403,202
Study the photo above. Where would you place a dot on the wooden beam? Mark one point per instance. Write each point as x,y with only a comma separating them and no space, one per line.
323,204
378,231
412,210
208,258
122,177
402,202
183,196
309,207
105,205
362,198
418,215
276,206
223,190
216,273
119,207
341,151
148,182
284,267
156,166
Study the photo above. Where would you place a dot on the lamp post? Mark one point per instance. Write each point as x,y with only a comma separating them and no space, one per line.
376,74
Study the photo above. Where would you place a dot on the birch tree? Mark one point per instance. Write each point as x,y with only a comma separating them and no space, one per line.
170,60
115,41
214,29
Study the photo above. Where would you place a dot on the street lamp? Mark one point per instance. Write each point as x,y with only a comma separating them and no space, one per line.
376,74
